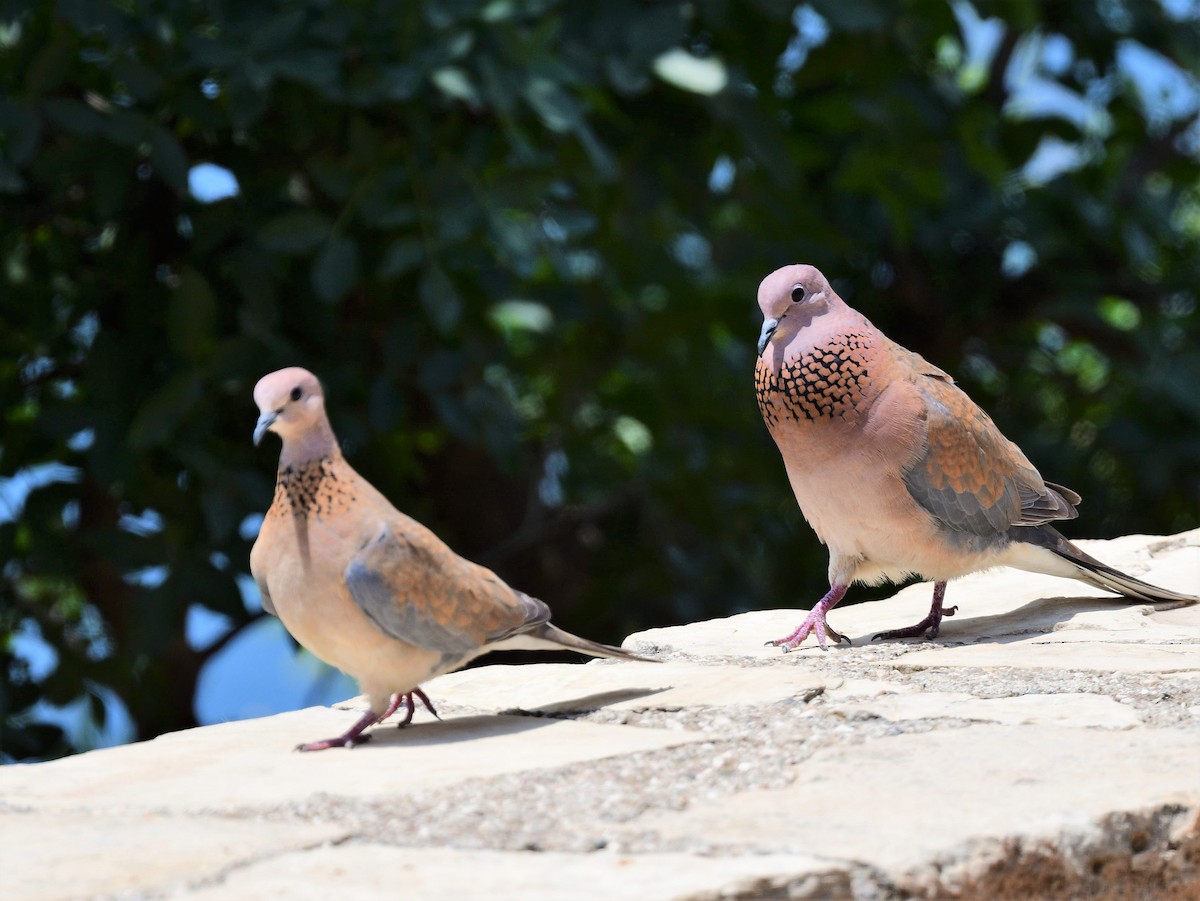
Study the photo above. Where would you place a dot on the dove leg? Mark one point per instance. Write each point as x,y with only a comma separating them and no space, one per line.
410,706
930,625
815,622
353,737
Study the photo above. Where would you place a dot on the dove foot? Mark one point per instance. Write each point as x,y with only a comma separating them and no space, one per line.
410,706
929,626
352,737
815,623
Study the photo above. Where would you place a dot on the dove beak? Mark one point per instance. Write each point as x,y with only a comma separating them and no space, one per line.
768,329
263,425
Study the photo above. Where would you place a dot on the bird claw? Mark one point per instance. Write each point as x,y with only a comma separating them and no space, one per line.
342,741
354,736
410,706
923,629
814,624
928,627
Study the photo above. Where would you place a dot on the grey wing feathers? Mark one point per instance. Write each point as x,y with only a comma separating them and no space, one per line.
971,478
1038,507
419,591
378,600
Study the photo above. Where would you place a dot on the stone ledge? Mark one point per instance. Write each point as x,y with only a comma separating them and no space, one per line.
1044,745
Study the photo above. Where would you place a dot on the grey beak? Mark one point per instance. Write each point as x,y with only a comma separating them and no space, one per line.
263,424
768,329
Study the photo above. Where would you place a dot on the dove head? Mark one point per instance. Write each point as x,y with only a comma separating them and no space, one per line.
292,405
791,298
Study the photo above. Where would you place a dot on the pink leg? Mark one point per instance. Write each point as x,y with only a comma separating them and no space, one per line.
406,698
815,622
355,736
349,740
930,625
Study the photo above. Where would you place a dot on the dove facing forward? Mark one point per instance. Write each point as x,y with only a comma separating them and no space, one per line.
897,471
366,588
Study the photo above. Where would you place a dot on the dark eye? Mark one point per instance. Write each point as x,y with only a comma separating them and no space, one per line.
797,293
296,392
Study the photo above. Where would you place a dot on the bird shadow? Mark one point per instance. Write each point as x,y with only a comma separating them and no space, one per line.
1036,617
510,721
450,730
586,703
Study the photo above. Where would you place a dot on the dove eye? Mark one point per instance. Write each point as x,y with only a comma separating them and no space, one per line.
296,393
797,293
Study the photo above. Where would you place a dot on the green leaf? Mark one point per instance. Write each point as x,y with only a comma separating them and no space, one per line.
401,256
247,101
142,82
320,69
400,82
167,407
169,159
278,32
48,68
192,316
691,73
454,83
1120,313
440,299
299,231
22,129
633,434
521,315
335,268
557,109
11,182
334,177
74,117
127,127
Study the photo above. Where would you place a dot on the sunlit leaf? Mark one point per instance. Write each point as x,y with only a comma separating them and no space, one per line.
521,315
455,83
682,69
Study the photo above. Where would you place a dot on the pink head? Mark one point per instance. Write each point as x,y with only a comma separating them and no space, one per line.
791,298
290,404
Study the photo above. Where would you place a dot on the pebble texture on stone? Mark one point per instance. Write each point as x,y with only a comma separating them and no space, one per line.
1044,745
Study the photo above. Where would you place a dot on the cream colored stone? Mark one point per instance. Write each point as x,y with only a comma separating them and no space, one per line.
365,872
52,857
903,801
1079,710
858,689
252,763
1054,653
563,687
186,814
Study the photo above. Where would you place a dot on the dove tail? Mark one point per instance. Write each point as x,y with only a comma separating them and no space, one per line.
548,637
1088,569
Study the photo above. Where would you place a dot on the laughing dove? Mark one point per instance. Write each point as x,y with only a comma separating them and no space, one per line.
366,588
895,468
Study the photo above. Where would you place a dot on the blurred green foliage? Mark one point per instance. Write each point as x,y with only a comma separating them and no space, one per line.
520,243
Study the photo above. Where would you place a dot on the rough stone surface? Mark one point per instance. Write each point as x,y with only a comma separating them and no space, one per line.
1045,745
